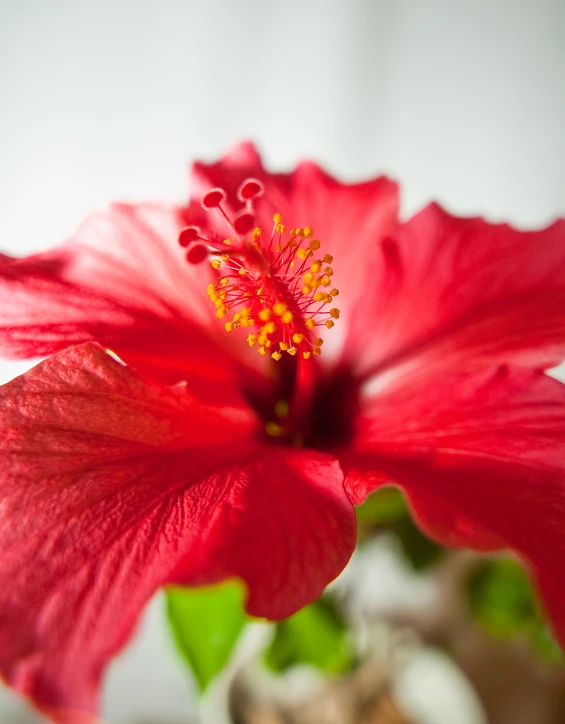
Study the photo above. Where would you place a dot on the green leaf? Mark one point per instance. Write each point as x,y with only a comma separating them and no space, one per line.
503,603
421,551
206,623
386,509
315,635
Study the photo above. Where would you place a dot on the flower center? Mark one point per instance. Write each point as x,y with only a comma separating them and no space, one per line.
273,282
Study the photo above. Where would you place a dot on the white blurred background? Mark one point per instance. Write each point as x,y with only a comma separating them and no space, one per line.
461,100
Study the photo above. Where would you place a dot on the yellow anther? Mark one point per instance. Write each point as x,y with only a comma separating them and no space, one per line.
306,289
325,281
292,243
221,313
225,257
334,292
287,317
328,258
273,429
219,304
307,355
265,314
319,297
316,351
279,308
269,328
292,233
297,337
276,356
279,248
292,351
256,233
315,266
268,343
242,271
214,297
216,263
334,313
314,244
307,231
281,408
329,324
252,340
299,231
211,288
280,229
246,311
260,291
228,326
284,346
227,242
262,350
277,218
310,323
224,282
329,271
303,253
247,322
319,342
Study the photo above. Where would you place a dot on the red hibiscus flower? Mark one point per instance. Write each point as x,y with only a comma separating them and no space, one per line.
220,438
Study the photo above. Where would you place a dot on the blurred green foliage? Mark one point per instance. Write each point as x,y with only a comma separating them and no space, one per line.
206,623
503,603
315,635
386,510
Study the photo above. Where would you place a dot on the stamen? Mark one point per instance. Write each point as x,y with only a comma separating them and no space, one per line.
271,282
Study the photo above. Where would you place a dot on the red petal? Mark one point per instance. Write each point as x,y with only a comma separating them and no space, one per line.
438,517
483,460
111,486
97,506
450,292
122,281
285,526
351,221
444,521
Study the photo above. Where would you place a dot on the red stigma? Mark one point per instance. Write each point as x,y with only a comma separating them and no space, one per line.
250,189
196,254
244,223
214,198
188,235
